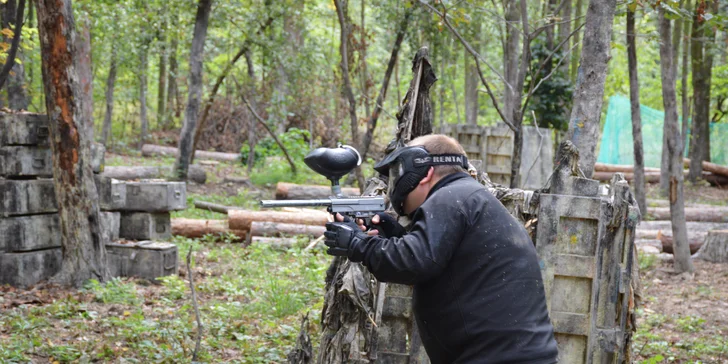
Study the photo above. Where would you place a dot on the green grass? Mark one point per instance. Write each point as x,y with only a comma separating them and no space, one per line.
251,301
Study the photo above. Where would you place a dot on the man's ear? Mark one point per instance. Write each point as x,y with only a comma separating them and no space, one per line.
428,178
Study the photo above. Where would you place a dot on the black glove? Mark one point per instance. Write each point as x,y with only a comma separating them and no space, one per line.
341,237
388,226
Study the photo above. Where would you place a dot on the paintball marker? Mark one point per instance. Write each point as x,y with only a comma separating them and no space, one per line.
334,163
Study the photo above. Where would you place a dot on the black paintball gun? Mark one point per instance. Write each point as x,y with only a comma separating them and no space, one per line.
334,163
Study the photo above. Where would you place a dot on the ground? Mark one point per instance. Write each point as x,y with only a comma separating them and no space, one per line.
252,299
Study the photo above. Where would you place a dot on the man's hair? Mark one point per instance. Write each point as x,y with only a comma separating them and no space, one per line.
440,144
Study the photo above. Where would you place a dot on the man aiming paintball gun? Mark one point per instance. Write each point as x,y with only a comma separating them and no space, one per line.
478,291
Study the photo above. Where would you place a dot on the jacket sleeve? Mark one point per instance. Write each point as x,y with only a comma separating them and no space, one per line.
419,255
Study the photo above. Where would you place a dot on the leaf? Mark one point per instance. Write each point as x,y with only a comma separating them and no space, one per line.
7,32
707,16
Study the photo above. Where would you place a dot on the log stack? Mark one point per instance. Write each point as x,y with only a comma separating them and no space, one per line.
716,174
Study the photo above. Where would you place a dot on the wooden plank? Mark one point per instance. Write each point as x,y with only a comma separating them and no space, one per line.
570,323
574,265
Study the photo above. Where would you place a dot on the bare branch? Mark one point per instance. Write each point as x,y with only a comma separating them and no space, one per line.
194,304
533,88
476,56
267,128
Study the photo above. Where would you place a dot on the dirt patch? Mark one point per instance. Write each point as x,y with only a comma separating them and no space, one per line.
683,317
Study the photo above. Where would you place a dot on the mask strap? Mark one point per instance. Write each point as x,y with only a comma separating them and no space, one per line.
441,160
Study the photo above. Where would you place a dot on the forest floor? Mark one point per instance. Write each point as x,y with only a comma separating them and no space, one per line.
252,299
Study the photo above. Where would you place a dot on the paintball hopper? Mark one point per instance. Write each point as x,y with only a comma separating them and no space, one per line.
333,163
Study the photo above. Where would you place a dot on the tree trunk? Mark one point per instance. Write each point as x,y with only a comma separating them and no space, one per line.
348,93
84,252
517,112
243,219
372,121
675,148
172,89
715,248
702,40
576,53
684,73
363,60
564,32
589,90
471,88
16,15
17,95
143,119
634,98
510,56
195,88
251,120
244,48
162,79
110,83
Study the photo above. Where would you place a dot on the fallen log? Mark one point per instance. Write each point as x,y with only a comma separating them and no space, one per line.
667,243
243,219
715,248
716,179
197,228
603,167
692,226
713,214
650,177
710,167
239,180
292,191
149,150
195,173
209,206
652,234
269,228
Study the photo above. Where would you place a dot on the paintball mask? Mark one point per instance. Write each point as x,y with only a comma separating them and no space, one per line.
405,167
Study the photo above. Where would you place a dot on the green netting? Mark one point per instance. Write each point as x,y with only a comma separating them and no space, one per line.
617,147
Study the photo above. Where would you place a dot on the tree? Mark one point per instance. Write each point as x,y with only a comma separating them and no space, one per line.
186,140
17,15
344,23
703,39
84,253
634,98
683,263
17,95
589,90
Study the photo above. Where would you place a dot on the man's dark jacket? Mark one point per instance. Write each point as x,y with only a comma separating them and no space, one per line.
478,295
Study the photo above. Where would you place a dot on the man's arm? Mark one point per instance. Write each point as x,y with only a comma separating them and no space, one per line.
419,255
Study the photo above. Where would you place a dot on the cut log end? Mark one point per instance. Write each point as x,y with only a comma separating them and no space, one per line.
716,247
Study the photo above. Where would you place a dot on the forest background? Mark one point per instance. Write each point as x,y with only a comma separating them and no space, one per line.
284,58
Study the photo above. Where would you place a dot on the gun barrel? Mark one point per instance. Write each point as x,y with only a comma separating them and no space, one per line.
294,203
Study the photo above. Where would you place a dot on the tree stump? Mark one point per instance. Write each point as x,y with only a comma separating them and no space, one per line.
715,248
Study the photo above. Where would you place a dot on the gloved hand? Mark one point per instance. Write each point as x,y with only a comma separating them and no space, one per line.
342,237
387,225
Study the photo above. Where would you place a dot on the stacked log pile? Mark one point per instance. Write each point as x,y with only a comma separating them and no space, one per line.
249,224
715,174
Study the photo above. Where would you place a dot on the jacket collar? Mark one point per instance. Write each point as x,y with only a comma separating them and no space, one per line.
444,181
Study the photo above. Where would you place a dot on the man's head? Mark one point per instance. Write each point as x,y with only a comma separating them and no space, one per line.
415,169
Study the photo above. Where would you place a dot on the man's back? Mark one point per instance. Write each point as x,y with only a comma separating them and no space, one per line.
488,303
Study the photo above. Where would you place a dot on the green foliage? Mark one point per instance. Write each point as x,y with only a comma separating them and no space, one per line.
690,323
115,290
271,165
647,261
551,101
